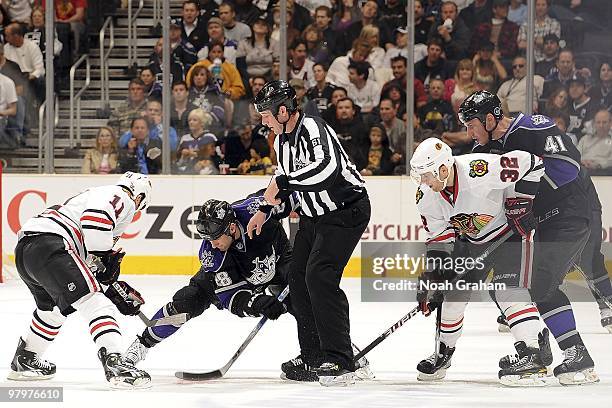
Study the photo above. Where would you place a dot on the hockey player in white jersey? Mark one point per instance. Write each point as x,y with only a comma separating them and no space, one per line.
50,257
482,197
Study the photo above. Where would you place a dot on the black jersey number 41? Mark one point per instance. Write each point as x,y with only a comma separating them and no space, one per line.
554,144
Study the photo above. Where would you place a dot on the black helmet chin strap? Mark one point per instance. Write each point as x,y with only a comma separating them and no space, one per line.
490,132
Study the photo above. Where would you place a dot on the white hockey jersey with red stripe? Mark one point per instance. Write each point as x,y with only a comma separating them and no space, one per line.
474,205
88,221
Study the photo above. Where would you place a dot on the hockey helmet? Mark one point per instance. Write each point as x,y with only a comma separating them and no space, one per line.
137,184
478,105
214,219
428,157
275,94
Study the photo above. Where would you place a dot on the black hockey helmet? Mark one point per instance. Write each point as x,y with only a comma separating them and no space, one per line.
275,94
214,219
478,105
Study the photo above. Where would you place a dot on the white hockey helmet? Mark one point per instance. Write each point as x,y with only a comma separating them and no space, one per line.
137,184
428,157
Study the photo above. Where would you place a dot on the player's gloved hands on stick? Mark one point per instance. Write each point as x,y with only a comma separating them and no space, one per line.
519,212
112,267
427,303
126,298
268,306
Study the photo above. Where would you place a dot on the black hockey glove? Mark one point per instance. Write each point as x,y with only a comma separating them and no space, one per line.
428,300
519,212
108,271
266,305
126,298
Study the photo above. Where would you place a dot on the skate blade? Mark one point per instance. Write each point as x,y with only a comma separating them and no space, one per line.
437,376
364,374
503,328
138,384
525,380
343,380
284,377
588,376
27,376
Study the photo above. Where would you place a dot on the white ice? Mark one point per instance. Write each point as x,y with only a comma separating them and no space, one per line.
208,341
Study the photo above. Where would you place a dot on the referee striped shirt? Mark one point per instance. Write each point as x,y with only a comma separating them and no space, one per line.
312,162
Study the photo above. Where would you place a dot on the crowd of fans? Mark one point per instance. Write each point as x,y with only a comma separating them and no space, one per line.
347,61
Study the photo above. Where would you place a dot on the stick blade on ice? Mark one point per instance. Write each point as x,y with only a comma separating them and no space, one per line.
211,375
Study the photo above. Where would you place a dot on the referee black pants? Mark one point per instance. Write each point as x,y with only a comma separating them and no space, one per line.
323,246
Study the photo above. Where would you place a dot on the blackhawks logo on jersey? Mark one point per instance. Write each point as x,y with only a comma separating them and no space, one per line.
470,224
419,195
478,168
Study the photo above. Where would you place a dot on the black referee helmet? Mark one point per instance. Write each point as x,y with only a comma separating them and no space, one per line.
275,94
214,219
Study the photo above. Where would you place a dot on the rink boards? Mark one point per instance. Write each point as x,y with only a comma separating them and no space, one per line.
161,240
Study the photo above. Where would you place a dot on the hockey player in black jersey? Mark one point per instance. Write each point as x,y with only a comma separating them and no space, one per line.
564,212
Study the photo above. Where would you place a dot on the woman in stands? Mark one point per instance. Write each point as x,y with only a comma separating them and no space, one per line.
557,101
153,88
259,51
601,92
102,159
371,35
488,70
462,85
206,95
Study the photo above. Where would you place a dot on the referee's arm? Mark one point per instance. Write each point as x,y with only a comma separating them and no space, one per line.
321,173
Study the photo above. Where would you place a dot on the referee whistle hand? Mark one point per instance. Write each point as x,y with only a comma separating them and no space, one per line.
271,193
255,224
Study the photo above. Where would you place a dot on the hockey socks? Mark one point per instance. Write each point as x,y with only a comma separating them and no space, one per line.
44,327
451,322
524,322
98,311
558,315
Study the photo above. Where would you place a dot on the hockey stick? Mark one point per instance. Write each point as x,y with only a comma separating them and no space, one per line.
212,375
417,309
593,287
176,319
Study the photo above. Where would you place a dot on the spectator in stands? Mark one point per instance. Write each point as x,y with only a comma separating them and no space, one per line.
421,24
452,31
349,126
395,129
462,85
292,32
330,113
517,13
181,49
401,48
499,30
434,66
234,30
228,78
369,10
438,114
259,162
347,13
596,146
208,160
193,27
371,34
36,32
480,11
177,69
364,91
321,93
205,94
513,92
102,159
29,58
72,14
601,92
373,158
180,108
11,70
323,21
398,95
543,25
558,100
551,54
299,65
432,9
337,74
564,70
238,146
259,51
489,72
316,48
18,11
9,136
301,98
246,11
121,118
256,83
399,67
208,9
191,144
141,154
582,107
392,13
153,116
152,89
216,33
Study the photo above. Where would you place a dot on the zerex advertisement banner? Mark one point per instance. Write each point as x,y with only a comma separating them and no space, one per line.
162,239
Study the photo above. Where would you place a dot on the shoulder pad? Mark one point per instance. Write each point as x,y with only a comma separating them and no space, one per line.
211,258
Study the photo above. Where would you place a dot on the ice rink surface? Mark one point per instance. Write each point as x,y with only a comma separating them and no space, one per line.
208,341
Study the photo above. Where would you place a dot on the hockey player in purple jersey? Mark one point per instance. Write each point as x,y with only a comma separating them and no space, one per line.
564,213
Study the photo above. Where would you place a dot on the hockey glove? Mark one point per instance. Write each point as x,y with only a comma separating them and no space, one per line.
428,301
126,298
519,212
268,306
107,266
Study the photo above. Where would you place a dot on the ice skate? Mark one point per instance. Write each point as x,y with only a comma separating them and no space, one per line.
502,324
136,352
434,367
297,370
120,373
524,369
577,367
362,367
28,366
606,319
333,375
